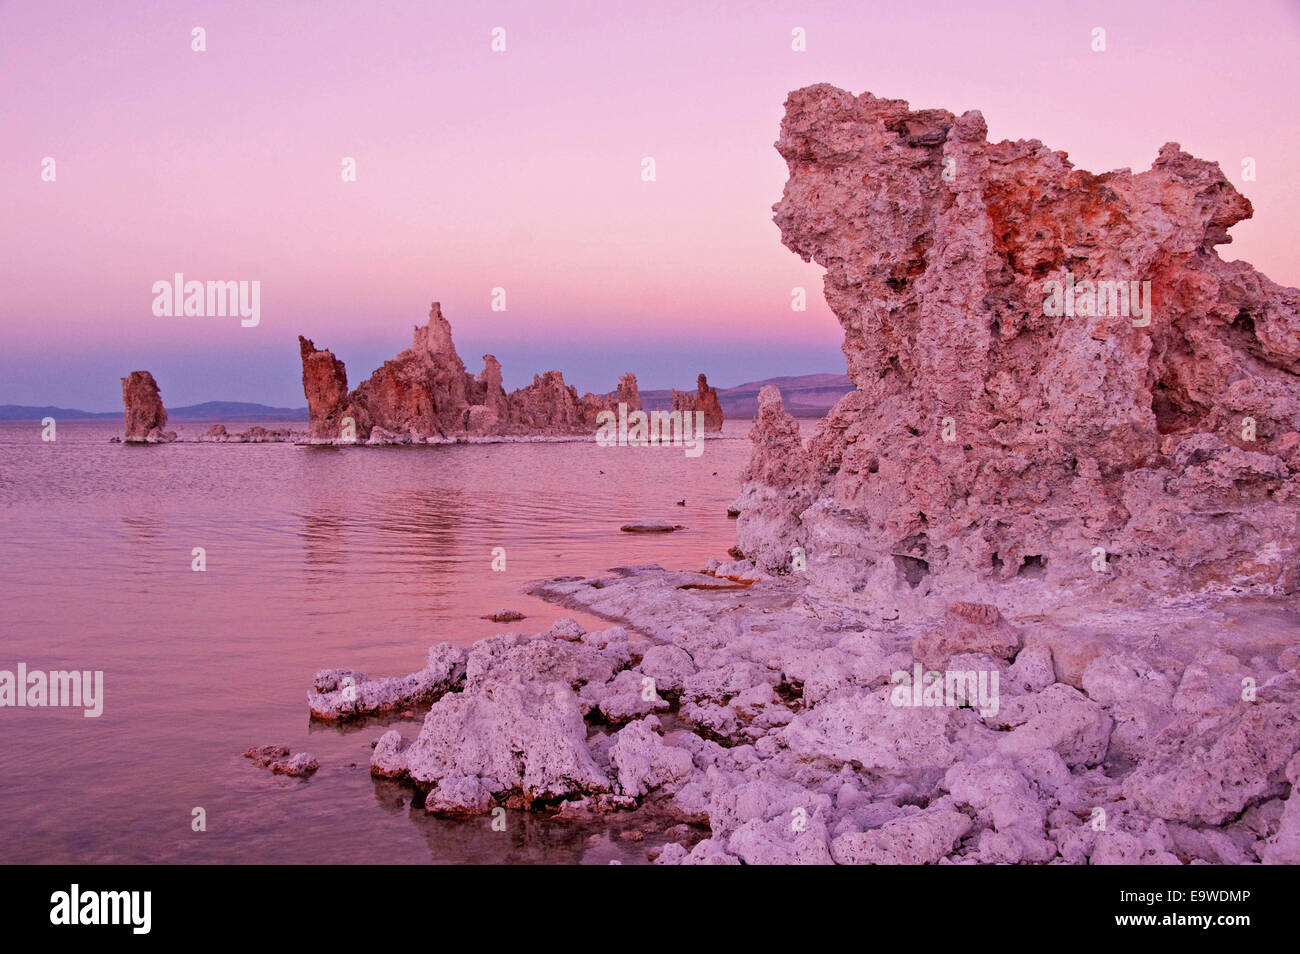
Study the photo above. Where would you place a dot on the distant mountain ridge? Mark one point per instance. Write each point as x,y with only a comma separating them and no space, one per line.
805,395
219,411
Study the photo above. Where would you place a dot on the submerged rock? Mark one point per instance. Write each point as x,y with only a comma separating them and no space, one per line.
280,762
217,434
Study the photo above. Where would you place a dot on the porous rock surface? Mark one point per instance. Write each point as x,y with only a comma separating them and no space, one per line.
280,762
803,751
990,447
779,729
777,724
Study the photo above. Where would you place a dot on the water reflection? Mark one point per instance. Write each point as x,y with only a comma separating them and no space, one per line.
315,558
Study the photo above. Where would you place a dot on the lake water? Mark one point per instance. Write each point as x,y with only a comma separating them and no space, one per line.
316,557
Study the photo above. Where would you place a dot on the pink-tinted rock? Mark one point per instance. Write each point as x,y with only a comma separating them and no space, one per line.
967,628
1283,848
774,491
781,841
343,694
668,666
867,730
425,394
625,697
628,394
514,737
999,793
388,760
705,400
280,762
1059,718
264,755
1206,774
296,766
641,761
1071,649
144,416
459,796
325,382
1137,696
920,839
547,405
990,441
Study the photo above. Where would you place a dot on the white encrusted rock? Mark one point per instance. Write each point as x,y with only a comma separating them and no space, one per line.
513,735
1201,773
643,763
920,839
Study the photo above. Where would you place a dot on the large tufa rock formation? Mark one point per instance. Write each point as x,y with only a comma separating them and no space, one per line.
325,382
997,437
704,399
144,416
425,393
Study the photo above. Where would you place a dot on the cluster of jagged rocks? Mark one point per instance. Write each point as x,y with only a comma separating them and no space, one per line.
1074,509
425,395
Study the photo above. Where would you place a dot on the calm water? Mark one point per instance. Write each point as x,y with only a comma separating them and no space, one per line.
316,557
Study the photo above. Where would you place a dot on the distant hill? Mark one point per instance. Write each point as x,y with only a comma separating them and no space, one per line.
805,395
221,411
235,411
23,412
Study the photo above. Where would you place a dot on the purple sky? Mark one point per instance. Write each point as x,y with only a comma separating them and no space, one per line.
522,170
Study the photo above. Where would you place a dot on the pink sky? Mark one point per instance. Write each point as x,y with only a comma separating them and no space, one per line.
522,170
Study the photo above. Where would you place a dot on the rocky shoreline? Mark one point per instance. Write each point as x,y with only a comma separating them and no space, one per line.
773,726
